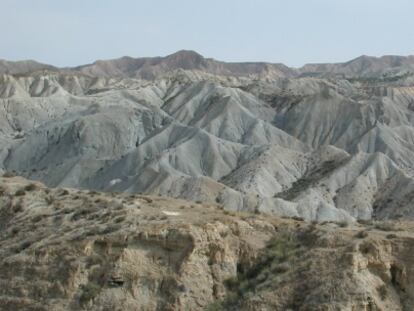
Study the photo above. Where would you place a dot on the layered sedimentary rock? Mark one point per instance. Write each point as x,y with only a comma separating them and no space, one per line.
66,249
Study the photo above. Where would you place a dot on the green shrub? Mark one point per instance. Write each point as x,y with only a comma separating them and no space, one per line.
273,262
282,247
366,222
361,234
24,245
383,291
30,187
37,218
119,219
391,236
18,206
216,306
20,192
89,292
343,224
386,226
9,174
49,199
148,200
15,230
80,213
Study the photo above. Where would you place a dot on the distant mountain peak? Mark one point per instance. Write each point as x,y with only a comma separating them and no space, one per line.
185,59
185,53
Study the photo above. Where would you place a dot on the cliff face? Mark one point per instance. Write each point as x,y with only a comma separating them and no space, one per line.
64,249
70,250
327,269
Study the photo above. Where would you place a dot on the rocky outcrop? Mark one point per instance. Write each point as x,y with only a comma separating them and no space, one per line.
322,268
62,249
65,249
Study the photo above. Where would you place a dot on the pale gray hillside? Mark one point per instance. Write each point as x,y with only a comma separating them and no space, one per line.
249,136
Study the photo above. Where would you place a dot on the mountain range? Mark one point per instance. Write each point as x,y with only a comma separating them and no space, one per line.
324,142
151,67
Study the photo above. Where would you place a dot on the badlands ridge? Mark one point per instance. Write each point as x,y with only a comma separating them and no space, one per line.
186,183
322,142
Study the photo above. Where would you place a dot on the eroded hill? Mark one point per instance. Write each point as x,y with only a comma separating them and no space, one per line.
67,249
330,142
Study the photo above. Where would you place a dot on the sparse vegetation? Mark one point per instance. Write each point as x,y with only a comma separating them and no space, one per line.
89,292
273,262
366,222
37,218
8,174
49,199
18,206
216,306
20,192
62,192
386,226
342,224
361,234
311,179
30,187
146,199
119,219
24,245
80,213
383,291
88,221
391,236
15,230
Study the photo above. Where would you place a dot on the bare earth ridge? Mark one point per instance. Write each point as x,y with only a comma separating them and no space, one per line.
65,249
323,142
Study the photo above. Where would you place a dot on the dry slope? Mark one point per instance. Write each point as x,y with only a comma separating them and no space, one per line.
65,249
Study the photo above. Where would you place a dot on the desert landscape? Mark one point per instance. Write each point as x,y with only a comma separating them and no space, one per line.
187,183
326,142
67,249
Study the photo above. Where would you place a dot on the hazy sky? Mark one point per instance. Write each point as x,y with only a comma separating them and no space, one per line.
74,32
